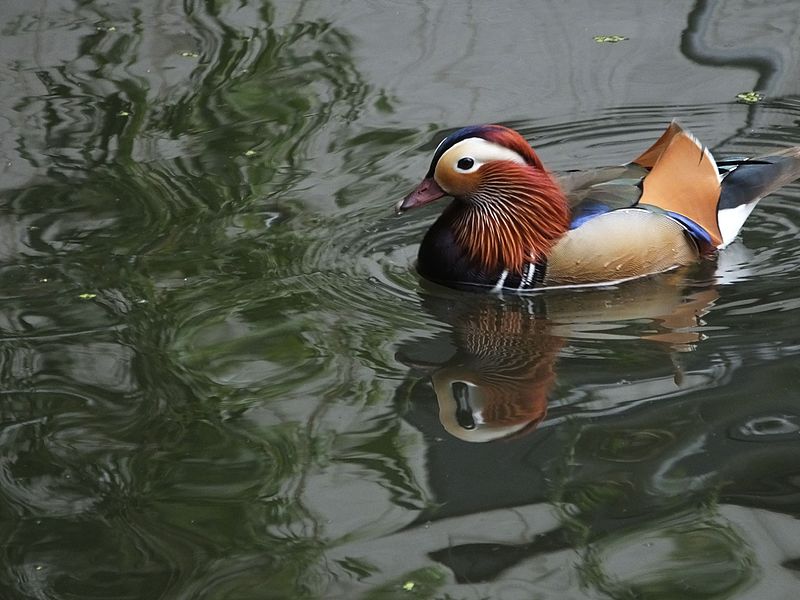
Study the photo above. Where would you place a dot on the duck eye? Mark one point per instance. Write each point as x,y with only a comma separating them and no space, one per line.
465,164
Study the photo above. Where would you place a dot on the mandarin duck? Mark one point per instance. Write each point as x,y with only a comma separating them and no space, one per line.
512,225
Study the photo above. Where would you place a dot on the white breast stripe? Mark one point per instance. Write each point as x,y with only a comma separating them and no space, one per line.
499,285
531,273
527,277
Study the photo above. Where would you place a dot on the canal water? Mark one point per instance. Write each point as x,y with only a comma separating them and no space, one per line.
223,379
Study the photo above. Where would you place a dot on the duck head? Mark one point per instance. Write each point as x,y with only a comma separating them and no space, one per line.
483,407
507,209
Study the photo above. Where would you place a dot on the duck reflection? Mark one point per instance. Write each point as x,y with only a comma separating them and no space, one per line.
496,383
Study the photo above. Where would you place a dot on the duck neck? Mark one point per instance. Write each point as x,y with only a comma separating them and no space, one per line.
514,217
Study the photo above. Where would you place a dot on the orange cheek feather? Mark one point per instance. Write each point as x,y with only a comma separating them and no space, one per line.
459,185
527,214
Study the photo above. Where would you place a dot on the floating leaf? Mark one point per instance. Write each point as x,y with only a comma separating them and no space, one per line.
87,296
609,39
409,586
749,97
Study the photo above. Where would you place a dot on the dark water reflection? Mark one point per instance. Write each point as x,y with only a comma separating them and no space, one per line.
217,361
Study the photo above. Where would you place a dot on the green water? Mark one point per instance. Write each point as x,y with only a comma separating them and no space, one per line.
221,376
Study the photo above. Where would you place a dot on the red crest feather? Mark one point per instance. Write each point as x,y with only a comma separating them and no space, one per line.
509,138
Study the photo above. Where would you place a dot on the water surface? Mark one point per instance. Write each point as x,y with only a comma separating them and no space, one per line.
223,379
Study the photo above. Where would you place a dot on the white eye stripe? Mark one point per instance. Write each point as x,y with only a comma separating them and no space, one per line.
481,151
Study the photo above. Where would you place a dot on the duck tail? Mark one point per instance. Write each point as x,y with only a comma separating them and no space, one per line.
749,180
